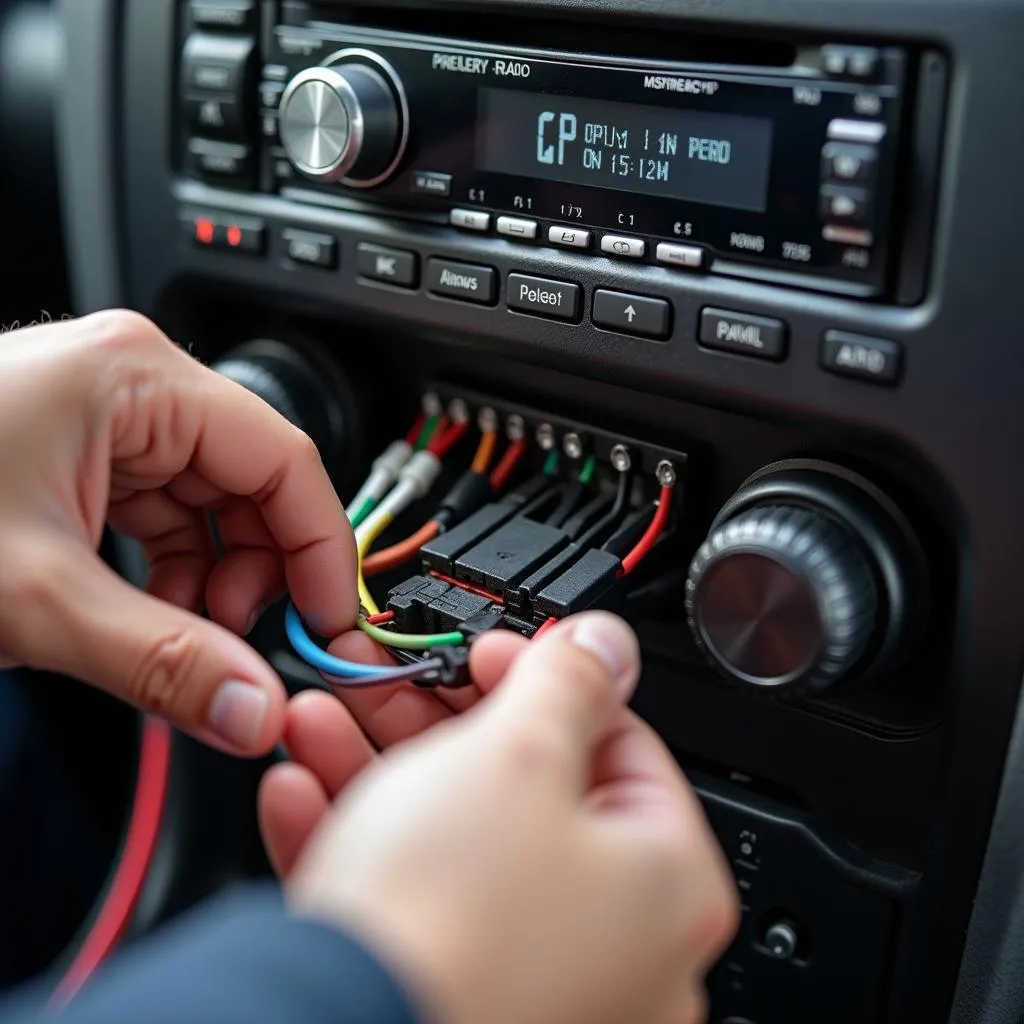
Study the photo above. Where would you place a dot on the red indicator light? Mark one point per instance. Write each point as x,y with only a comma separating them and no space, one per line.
204,231
234,236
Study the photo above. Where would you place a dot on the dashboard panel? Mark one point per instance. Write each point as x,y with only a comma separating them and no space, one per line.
772,248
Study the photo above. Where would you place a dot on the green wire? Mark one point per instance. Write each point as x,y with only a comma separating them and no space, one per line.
588,470
427,432
366,506
551,463
410,641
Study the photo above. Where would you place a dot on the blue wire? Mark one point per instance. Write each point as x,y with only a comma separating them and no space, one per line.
313,655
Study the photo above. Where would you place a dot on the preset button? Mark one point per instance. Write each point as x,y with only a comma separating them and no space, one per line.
559,300
759,336
392,266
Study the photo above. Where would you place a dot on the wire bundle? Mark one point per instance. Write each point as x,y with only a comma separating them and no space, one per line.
405,472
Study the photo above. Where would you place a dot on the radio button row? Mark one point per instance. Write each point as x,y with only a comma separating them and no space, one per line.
632,314
270,94
471,220
847,162
859,62
559,300
675,255
843,129
464,281
759,336
209,230
392,266
432,183
517,227
623,245
310,248
218,117
224,15
851,355
217,63
574,238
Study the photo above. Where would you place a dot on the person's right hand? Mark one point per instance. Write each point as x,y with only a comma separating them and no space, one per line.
538,858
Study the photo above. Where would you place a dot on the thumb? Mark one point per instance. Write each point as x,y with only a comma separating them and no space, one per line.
568,685
77,617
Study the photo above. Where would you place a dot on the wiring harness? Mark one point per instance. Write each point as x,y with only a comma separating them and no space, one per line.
519,541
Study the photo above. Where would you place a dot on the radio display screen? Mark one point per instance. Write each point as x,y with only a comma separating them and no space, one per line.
695,156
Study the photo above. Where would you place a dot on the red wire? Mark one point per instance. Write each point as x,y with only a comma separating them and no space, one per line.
651,534
130,873
416,429
441,444
379,620
508,463
545,626
496,598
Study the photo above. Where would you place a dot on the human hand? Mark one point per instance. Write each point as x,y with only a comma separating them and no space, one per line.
104,420
539,857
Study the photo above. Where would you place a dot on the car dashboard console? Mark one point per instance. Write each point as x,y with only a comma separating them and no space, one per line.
705,315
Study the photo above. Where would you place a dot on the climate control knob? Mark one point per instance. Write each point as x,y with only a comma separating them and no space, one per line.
346,121
808,578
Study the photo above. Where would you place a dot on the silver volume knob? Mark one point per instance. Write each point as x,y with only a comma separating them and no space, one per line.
345,122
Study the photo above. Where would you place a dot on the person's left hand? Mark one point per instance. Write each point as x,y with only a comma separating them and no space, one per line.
106,421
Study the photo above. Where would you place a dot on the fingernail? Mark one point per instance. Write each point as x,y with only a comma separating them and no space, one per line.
611,640
237,713
254,618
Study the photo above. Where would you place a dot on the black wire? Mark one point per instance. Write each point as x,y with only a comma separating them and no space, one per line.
618,509
570,499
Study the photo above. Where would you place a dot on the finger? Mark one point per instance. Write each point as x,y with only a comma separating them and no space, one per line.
168,412
634,774
489,660
284,475
176,543
290,804
79,618
387,714
565,688
242,585
321,735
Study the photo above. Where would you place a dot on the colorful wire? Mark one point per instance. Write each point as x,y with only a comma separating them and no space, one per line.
485,451
444,441
381,520
366,506
587,472
551,463
339,668
468,587
400,553
545,626
416,429
411,641
430,424
507,464
651,534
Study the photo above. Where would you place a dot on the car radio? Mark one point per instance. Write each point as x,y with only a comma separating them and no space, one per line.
780,171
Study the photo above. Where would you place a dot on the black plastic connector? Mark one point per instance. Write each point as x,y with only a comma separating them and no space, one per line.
510,554
593,579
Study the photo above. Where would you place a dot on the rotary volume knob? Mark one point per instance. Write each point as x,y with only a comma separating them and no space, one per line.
781,596
346,121
810,577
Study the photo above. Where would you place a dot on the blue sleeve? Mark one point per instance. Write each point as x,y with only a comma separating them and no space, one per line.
240,958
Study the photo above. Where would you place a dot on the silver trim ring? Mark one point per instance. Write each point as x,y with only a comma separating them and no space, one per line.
391,77
339,86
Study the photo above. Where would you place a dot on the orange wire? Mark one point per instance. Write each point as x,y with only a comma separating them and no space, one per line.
400,553
485,451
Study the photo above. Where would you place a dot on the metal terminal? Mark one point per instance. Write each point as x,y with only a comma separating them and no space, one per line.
546,437
781,940
432,404
620,458
666,473
458,410
515,428
572,445
487,419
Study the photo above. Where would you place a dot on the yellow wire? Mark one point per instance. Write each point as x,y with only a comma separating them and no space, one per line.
379,525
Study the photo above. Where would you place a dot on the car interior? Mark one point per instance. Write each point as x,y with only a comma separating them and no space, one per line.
702,313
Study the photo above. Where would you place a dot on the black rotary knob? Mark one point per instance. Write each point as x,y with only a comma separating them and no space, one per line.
806,579
304,390
346,121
